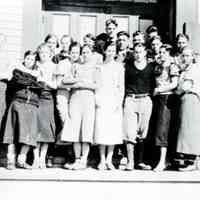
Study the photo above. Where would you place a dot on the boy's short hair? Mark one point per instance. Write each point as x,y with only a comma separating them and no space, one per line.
151,29
111,21
123,33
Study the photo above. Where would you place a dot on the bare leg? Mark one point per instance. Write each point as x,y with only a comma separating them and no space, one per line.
43,154
130,155
23,154
85,152
36,156
77,149
161,164
102,164
109,157
11,157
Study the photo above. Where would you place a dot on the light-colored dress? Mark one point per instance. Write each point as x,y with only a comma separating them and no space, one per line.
109,99
189,130
81,107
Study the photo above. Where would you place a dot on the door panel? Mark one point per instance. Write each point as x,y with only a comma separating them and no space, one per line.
78,24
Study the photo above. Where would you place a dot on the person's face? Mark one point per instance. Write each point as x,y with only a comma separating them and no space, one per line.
65,42
86,54
139,54
110,52
123,42
111,30
182,42
187,57
138,39
44,54
75,53
88,41
152,34
52,43
29,61
164,55
155,45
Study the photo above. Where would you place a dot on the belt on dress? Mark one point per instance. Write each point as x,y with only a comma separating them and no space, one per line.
137,96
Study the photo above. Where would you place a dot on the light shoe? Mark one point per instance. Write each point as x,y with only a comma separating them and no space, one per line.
188,168
129,166
102,166
143,166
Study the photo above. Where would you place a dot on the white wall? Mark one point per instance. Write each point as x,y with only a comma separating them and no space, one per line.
32,24
188,11
11,18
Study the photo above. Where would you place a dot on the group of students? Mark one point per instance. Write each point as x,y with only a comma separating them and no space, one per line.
109,91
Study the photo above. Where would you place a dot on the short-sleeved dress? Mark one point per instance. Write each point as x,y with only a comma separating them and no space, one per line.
189,130
109,99
46,120
161,113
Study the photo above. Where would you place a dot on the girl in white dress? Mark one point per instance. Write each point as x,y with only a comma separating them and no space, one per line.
109,99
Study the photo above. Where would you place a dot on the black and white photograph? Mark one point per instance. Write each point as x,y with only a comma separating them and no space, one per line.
100,99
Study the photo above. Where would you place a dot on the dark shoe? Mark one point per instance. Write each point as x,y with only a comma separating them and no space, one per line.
143,166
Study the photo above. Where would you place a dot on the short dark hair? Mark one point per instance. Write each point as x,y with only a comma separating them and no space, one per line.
29,52
123,33
90,36
51,35
151,29
139,45
167,47
181,35
138,33
111,21
74,44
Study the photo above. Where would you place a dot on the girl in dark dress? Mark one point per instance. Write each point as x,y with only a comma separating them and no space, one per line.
166,75
21,124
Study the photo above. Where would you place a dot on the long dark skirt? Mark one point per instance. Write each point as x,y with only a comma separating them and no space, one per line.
161,119
21,125
46,121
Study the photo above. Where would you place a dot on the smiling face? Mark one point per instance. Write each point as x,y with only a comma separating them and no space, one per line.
75,53
86,54
52,43
110,52
29,61
44,53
